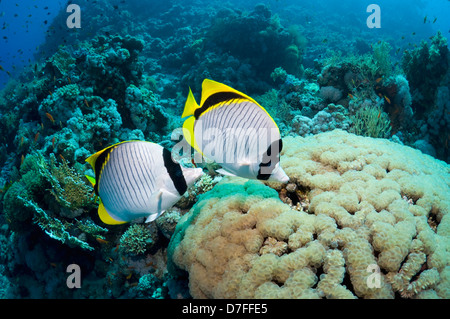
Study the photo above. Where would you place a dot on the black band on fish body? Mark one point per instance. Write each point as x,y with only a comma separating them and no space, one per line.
215,99
175,172
269,160
101,159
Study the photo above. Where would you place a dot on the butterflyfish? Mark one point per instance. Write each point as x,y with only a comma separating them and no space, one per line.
137,179
236,132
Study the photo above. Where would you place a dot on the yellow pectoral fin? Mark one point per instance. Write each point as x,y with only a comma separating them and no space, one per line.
106,218
190,106
188,132
91,179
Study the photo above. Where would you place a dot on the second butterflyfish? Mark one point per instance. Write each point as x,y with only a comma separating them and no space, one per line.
137,179
236,132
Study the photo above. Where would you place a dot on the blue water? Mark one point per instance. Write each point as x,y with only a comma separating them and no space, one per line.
67,93
26,32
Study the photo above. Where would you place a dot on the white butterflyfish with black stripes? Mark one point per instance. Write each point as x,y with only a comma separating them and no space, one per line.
233,130
137,179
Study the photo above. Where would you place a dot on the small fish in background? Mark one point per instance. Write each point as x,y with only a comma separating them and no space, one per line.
137,179
425,19
435,19
236,132
50,117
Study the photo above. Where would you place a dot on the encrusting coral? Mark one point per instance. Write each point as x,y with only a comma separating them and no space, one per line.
376,226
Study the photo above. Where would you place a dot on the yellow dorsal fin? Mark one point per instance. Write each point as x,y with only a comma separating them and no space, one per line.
190,106
210,87
105,217
93,158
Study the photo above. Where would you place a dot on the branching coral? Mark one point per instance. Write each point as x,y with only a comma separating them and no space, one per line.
359,237
52,226
372,122
69,188
29,199
381,56
61,62
138,239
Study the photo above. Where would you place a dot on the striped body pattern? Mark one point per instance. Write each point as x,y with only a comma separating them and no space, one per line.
236,135
236,132
137,179
126,182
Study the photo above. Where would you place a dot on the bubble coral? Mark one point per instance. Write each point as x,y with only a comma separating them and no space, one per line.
376,227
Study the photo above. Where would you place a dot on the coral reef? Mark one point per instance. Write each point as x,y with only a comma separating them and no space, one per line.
138,239
376,226
328,119
259,32
425,67
358,212
372,122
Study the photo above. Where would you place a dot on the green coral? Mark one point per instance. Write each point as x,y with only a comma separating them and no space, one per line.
52,104
363,66
45,190
149,286
52,226
258,31
68,92
137,240
62,61
87,226
279,74
15,211
372,122
276,105
68,186
425,67
381,51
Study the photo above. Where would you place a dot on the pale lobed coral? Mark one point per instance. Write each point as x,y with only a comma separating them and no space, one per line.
376,226
328,119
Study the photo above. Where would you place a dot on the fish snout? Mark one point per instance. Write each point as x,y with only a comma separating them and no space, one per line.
191,175
279,176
